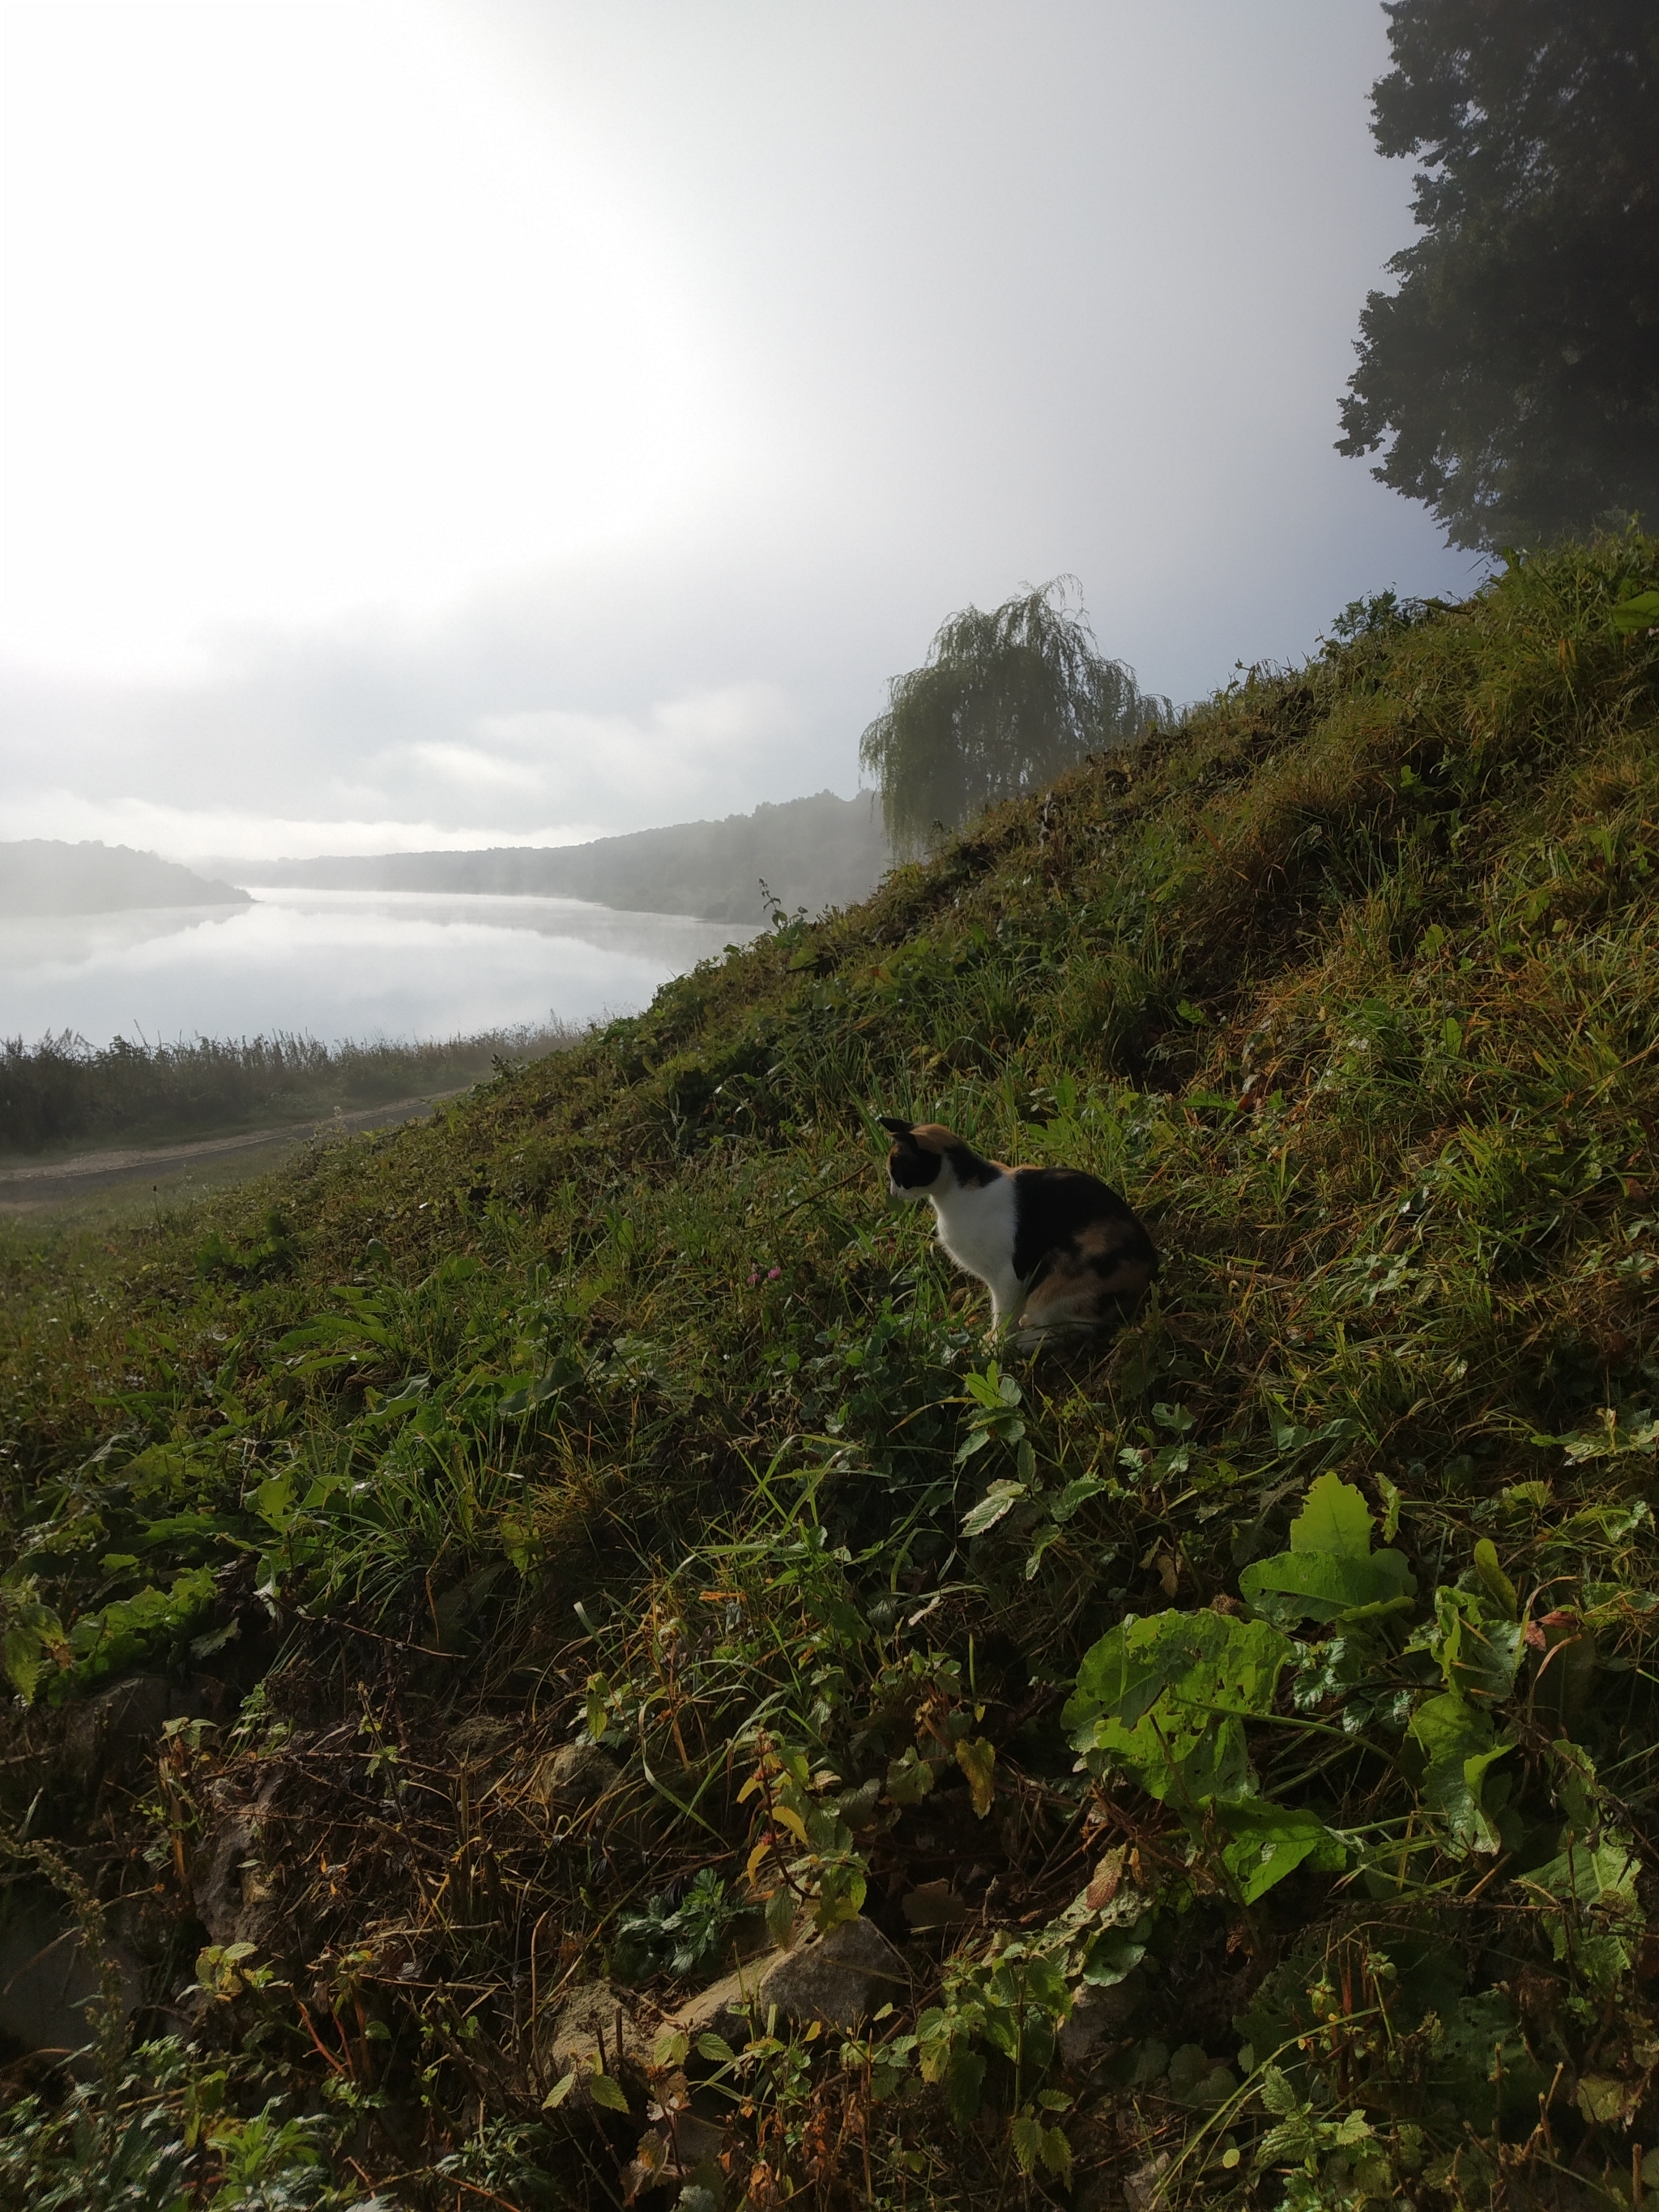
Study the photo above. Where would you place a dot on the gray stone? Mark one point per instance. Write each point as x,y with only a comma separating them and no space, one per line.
1098,2020
1144,2187
594,2020
840,1980
577,1776
715,2010
48,1978
229,1883
481,1739
110,1737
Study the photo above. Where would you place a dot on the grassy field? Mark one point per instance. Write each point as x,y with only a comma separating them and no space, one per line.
64,1092
572,1541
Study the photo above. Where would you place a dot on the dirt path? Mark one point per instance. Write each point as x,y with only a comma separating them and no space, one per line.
48,1182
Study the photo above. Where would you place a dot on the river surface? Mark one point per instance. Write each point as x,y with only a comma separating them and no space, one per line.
339,964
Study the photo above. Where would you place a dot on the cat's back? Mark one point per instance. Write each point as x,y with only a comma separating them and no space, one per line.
1068,1209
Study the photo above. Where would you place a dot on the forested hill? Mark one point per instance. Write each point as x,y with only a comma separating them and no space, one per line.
556,1648
46,875
811,852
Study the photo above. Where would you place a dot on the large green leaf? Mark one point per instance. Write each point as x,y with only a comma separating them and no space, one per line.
1457,1741
1334,1519
1478,1646
1600,1876
1330,1567
1271,1841
1590,1908
1637,613
1166,1697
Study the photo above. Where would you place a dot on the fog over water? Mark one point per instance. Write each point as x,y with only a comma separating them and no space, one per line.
441,423
339,964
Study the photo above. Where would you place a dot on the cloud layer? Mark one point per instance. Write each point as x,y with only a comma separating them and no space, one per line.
448,424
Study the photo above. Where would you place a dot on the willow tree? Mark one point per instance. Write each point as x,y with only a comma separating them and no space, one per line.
1004,701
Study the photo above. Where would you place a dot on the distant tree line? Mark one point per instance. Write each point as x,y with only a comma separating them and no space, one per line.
48,875
815,852
63,1089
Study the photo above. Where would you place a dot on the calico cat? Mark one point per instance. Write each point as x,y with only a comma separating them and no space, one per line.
1056,1247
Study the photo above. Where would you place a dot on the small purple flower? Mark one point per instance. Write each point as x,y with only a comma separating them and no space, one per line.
754,1279
772,1274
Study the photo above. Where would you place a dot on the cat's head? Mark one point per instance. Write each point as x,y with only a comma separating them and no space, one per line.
919,1164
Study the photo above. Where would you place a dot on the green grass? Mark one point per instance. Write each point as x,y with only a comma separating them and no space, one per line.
1285,1666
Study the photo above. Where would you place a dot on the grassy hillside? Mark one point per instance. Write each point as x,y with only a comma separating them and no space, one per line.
565,1545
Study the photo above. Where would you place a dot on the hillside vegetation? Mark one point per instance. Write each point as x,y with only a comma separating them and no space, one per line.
464,1595
811,852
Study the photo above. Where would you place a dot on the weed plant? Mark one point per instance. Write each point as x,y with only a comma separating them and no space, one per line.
587,1536
64,1090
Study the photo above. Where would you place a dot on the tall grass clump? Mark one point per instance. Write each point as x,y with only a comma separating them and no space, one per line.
472,1593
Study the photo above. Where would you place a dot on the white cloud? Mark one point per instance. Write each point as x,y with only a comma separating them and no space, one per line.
711,751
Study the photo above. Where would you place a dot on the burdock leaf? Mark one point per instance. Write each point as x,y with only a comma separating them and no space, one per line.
1458,1739
1334,1518
1166,1697
1271,1841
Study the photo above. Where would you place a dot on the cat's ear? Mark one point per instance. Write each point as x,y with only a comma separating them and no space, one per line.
895,1128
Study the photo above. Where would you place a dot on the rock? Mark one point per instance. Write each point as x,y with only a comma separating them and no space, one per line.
109,1733
840,1980
576,1777
716,2010
232,1884
481,1738
936,1905
1142,2189
110,1737
595,2020
229,1882
1099,2018
673,2150
48,1978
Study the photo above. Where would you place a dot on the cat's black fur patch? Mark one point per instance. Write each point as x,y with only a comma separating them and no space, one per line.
1055,1207
910,1167
914,1158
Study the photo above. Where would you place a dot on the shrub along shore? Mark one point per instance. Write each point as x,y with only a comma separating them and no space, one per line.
64,1090
471,1595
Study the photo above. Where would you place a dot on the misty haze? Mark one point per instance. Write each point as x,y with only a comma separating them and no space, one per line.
828,1011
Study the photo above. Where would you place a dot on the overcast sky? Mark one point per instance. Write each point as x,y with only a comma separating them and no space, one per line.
508,420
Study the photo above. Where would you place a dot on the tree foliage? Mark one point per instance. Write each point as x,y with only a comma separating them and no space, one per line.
1004,701
1515,370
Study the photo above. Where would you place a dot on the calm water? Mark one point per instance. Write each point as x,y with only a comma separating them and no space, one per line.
336,964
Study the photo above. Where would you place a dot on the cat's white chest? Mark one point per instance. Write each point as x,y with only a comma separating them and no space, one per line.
976,1228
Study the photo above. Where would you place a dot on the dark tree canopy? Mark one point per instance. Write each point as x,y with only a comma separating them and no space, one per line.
1004,701
1516,368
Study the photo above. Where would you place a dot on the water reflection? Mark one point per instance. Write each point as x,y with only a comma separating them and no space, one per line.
339,963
